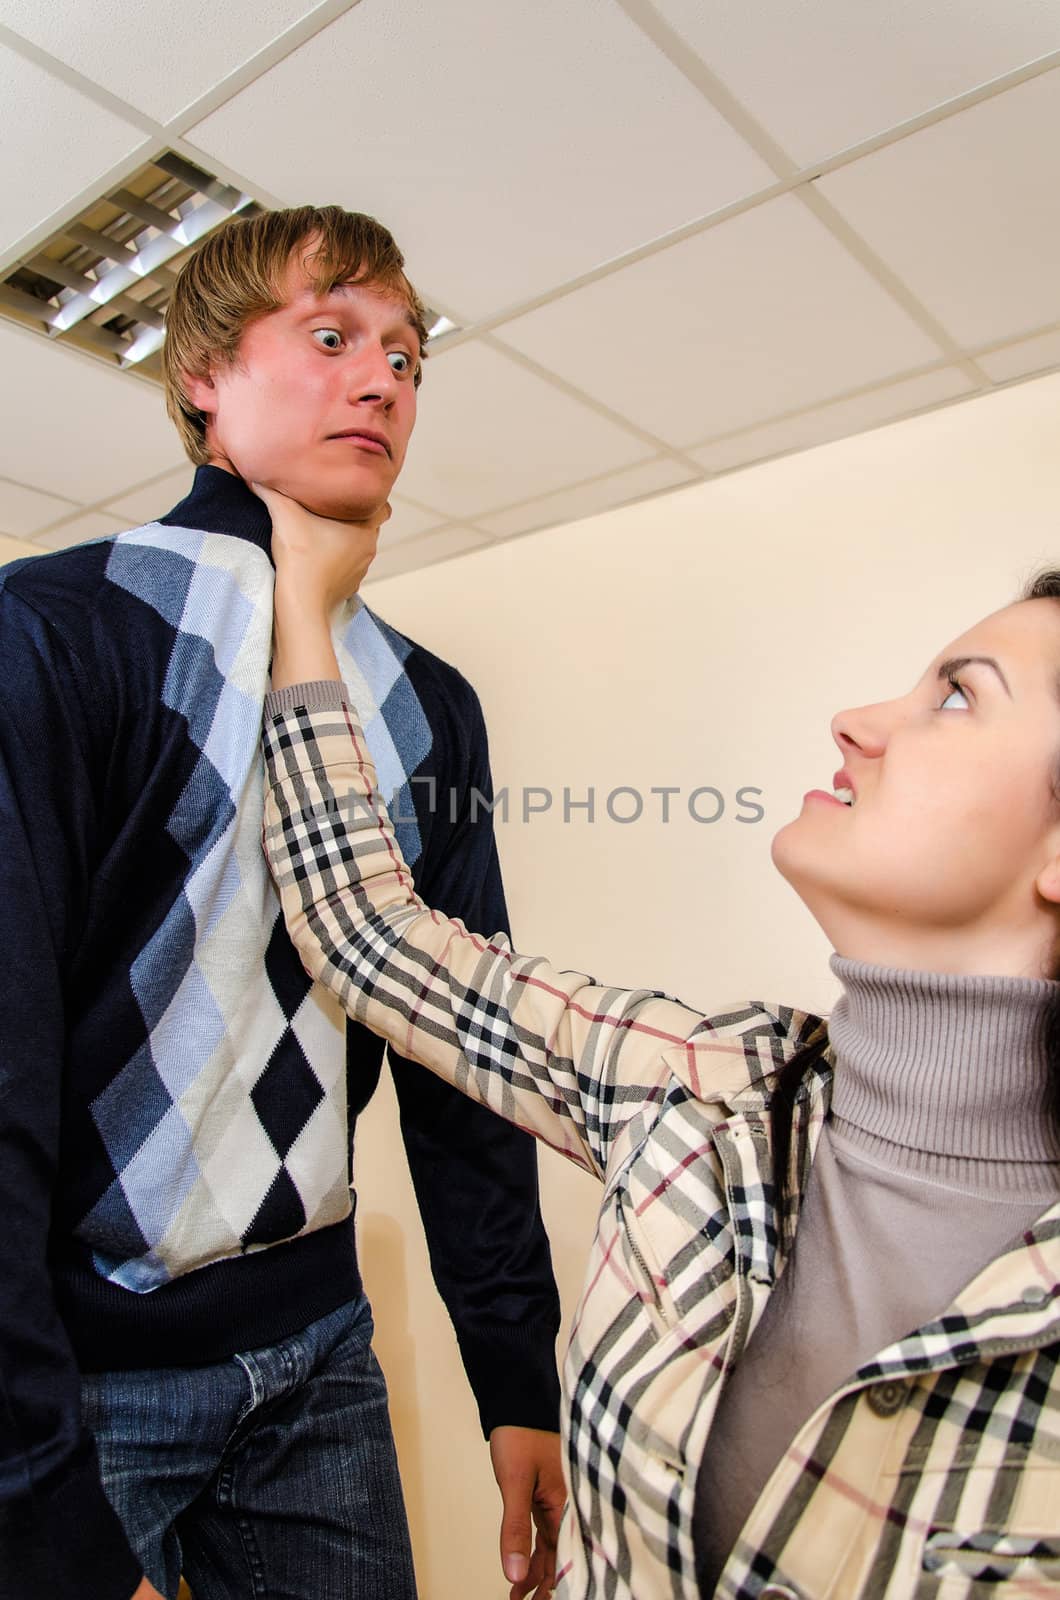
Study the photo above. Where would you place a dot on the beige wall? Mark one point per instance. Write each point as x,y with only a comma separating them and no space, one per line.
701,639
13,549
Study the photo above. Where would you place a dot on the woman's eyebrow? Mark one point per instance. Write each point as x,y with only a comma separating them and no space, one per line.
955,664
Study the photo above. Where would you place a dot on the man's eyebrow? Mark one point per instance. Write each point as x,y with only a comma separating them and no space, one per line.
955,664
408,319
414,325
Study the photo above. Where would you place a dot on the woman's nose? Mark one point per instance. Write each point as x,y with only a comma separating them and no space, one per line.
862,730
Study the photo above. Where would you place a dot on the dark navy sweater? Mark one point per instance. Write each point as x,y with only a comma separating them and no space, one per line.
174,1094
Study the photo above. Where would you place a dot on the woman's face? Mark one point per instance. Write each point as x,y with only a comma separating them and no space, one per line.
948,857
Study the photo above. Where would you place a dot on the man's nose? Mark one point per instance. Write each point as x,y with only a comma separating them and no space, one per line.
373,380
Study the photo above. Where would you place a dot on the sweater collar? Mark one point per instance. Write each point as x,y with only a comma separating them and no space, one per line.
954,1066
219,502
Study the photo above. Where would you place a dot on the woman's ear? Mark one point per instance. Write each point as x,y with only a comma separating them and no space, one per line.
1048,881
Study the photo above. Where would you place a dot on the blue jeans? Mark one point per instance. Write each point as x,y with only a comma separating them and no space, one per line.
272,1474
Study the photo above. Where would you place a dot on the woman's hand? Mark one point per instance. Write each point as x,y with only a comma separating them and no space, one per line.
146,1591
319,563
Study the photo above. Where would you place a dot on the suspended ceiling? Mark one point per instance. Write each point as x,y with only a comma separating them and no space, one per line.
676,237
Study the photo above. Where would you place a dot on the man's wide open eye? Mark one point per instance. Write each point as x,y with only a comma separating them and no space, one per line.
328,338
400,362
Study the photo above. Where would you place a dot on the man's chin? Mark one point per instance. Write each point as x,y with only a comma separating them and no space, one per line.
359,511
337,506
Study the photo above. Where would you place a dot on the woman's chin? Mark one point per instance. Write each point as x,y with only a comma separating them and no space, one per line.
806,864
785,847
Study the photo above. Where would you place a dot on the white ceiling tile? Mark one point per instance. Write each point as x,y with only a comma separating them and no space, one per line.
585,499
152,500
406,522
91,525
25,510
56,141
15,549
964,212
1022,359
71,427
762,314
490,433
426,550
821,75
835,421
156,56
509,147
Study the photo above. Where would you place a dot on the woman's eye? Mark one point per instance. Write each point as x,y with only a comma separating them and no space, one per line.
400,362
956,700
328,338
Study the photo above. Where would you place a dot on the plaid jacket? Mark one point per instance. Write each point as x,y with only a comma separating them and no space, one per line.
933,1470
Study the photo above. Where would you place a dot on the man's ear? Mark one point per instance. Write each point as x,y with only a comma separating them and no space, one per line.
201,391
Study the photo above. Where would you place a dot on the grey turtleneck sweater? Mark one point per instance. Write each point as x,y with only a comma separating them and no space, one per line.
938,1152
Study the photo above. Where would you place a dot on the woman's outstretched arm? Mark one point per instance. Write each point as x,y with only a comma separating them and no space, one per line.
554,1052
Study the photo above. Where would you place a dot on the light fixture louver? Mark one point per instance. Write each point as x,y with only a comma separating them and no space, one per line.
102,282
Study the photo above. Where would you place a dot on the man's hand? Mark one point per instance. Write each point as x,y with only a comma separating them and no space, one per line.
529,1474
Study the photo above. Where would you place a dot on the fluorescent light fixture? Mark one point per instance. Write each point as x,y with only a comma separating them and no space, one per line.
114,282
103,281
145,344
117,279
196,223
439,326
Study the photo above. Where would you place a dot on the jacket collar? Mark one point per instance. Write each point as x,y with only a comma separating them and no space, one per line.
1012,1305
1015,1298
730,1059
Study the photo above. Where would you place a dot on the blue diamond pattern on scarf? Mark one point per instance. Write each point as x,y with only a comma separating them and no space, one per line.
198,1123
211,614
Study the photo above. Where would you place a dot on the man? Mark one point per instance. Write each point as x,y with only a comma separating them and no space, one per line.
186,1380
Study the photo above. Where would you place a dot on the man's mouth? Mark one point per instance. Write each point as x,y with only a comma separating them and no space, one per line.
365,436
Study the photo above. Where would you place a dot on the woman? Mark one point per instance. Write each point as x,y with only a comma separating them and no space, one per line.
817,1349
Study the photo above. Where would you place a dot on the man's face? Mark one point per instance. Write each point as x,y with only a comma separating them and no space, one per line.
321,400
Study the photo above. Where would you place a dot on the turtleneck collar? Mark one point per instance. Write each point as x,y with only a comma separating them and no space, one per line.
220,502
942,1065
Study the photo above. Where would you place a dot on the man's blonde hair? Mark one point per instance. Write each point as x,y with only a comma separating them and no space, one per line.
235,276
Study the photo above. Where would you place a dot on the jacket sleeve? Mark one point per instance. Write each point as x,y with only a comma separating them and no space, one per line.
58,1534
559,1055
476,1176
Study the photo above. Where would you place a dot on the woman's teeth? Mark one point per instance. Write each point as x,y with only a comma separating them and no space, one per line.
846,795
